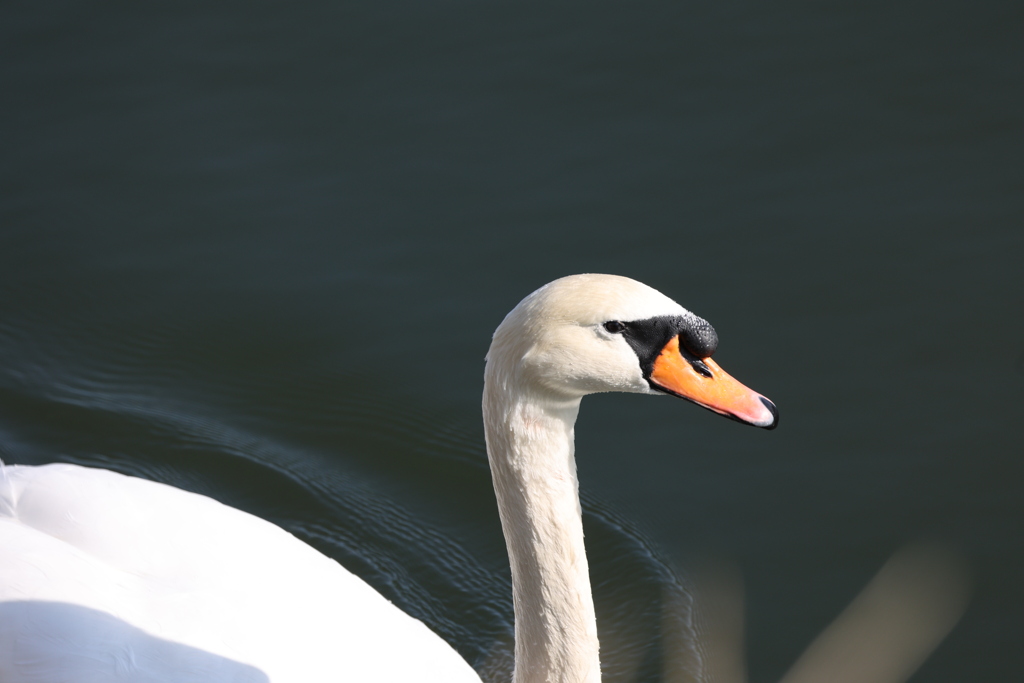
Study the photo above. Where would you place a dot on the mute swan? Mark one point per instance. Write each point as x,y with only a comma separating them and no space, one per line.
109,578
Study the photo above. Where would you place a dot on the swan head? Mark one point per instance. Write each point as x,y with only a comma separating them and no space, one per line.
587,334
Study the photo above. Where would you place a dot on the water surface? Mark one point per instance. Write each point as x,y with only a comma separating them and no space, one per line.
257,251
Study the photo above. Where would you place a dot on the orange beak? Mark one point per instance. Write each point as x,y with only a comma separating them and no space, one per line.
674,374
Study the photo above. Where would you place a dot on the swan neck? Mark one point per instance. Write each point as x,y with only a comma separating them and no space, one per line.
530,447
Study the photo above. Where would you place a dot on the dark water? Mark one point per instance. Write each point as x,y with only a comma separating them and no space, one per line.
257,250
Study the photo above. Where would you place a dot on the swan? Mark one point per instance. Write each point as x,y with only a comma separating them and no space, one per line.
105,577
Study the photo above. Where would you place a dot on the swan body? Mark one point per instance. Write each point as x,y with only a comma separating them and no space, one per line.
108,578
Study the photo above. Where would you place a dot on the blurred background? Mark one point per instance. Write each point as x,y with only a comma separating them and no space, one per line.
257,250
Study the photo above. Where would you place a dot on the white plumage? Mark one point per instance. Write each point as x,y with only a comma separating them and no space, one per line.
108,578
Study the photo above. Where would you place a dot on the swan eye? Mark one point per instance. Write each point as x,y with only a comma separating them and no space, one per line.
614,326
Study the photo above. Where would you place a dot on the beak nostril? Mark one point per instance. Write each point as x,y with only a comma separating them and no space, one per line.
701,367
